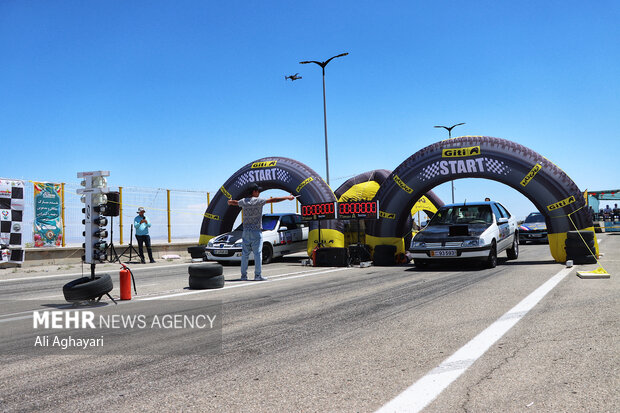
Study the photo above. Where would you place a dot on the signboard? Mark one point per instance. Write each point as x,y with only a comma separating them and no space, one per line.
358,210
340,210
47,214
11,220
315,212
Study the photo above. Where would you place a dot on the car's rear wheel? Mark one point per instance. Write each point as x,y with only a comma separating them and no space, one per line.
513,252
267,253
492,259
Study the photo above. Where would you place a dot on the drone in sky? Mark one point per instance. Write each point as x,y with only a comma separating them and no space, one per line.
292,77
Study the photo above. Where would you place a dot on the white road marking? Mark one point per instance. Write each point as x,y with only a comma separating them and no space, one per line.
424,391
45,297
272,279
86,273
289,276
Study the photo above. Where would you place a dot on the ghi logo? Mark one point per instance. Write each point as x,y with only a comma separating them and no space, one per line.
460,152
561,204
264,164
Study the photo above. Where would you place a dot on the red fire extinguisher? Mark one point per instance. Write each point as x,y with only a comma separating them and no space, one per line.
313,255
126,276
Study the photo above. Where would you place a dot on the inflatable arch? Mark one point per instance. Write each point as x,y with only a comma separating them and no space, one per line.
364,187
271,173
553,193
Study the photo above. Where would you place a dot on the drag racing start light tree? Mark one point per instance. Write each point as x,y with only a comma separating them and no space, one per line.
95,233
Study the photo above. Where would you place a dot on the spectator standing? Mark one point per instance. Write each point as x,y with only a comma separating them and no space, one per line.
141,224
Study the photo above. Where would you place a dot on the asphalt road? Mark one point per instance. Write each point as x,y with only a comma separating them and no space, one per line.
321,339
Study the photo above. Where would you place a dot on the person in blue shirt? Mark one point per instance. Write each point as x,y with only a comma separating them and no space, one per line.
141,224
252,237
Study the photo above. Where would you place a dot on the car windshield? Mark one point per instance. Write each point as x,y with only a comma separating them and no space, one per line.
534,217
463,214
269,223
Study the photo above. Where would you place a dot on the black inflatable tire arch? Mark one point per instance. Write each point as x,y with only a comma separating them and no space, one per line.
379,176
271,173
553,193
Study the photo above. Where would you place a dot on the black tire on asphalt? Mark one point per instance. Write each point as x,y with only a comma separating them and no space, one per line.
84,288
584,259
197,251
205,283
205,270
587,235
513,252
578,243
420,263
267,253
385,255
491,261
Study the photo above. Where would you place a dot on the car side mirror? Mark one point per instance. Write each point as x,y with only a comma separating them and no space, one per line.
502,220
283,229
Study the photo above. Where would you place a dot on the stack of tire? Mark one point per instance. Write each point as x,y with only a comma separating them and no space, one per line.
385,255
580,247
205,276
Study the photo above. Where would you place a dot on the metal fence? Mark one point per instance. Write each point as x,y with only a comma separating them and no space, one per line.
176,215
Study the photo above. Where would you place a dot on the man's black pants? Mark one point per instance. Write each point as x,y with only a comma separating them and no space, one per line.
144,239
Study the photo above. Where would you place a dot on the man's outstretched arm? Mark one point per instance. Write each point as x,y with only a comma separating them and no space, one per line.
279,199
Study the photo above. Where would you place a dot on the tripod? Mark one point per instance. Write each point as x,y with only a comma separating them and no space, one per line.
129,248
111,250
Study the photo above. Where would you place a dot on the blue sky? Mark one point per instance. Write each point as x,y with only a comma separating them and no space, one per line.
182,94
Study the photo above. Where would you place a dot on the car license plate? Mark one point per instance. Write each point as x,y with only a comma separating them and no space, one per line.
220,252
536,235
443,253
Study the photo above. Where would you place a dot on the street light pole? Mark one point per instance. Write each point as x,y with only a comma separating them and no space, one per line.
323,64
449,129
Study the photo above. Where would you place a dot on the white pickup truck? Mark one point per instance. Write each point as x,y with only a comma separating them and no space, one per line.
282,234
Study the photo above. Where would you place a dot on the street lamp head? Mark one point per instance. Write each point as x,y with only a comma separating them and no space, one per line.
333,57
323,64
449,128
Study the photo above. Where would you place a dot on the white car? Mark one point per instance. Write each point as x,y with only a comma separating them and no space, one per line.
282,234
476,231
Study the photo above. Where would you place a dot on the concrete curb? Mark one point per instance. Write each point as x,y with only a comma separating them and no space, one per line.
73,255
